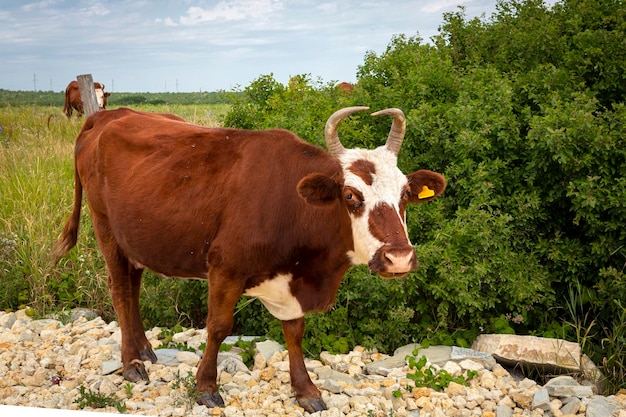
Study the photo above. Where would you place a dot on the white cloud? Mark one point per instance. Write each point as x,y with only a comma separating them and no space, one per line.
232,11
439,5
38,5
96,9
167,21
327,7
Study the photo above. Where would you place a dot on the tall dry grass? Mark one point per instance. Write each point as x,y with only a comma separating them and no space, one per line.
36,192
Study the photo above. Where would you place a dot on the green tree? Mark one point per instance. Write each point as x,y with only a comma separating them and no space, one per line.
523,112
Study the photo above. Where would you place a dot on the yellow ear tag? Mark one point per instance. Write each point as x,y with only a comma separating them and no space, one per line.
425,193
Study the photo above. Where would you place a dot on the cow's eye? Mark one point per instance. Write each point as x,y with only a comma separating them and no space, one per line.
353,200
406,193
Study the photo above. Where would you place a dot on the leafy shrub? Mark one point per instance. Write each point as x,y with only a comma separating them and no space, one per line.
167,302
532,144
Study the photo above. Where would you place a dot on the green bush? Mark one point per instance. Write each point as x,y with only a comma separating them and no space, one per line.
524,115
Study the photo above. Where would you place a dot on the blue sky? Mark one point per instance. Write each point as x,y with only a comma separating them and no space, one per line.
203,45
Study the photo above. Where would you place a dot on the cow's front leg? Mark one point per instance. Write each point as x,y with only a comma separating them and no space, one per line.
222,301
307,394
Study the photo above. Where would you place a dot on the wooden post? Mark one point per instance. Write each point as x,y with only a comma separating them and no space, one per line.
87,94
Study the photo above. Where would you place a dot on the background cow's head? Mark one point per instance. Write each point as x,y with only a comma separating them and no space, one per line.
101,95
375,193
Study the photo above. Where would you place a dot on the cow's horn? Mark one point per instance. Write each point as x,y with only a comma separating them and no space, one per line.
396,134
335,148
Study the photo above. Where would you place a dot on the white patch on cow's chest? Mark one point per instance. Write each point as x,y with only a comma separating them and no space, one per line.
276,296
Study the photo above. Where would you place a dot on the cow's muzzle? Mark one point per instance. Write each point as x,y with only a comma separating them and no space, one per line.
391,262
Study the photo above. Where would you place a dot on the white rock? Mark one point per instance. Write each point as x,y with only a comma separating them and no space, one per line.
470,365
189,358
107,387
108,367
182,337
453,368
7,320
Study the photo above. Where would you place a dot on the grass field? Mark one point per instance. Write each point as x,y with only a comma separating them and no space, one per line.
36,194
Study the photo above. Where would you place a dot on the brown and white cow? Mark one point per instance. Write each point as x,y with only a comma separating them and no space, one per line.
74,102
261,213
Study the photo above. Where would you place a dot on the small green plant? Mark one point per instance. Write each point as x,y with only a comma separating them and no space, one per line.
613,346
429,376
246,350
166,337
128,389
188,384
89,398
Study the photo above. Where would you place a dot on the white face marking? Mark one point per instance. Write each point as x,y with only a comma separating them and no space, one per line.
100,97
276,296
387,187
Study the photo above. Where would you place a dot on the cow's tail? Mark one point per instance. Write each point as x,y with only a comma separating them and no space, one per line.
70,232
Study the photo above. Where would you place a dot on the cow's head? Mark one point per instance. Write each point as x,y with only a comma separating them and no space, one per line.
375,193
101,95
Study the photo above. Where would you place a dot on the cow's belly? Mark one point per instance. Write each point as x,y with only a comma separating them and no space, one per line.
276,296
171,262
155,242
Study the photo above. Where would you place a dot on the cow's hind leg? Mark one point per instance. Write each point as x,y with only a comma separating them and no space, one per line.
307,394
124,286
139,333
135,346
223,297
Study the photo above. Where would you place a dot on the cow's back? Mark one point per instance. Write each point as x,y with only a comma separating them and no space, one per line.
172,192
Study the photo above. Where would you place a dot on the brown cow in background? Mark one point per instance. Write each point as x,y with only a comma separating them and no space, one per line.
74,102
346,87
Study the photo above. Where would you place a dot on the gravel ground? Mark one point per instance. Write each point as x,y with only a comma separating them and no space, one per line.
49,364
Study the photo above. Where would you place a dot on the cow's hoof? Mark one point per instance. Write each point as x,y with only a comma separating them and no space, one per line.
135,372
210,399
148,355
312,405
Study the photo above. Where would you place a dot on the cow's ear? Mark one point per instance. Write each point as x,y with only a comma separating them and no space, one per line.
425,185
319,189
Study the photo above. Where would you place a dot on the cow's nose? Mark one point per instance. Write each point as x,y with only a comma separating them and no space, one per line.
400,261
396,262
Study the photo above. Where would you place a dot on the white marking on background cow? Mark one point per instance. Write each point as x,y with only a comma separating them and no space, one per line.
387,186
100,97
276,296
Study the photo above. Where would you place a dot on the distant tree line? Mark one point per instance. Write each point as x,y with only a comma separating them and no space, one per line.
52,98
